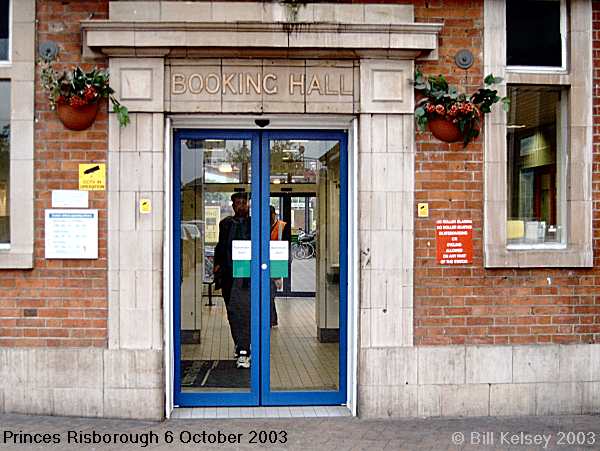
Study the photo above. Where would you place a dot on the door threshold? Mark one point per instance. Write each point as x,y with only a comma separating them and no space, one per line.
261,412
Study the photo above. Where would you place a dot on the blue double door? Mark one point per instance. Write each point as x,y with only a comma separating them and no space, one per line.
256,213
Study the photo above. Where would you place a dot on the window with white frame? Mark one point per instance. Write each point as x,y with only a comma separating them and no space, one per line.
535,40
4,161
4,30
17,93
536,33
538,156
535,165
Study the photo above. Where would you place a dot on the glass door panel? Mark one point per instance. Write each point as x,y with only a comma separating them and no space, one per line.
305,355
303,262
217,316
297,210
260,257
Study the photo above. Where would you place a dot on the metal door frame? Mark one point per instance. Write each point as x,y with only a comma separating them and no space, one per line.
252,397
260,393
298,398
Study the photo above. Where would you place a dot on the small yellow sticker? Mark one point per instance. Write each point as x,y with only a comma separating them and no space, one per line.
92,176
423,210
145,206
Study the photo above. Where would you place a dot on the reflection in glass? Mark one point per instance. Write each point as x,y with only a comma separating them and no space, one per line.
534,166
215,180
4,161
305,193
304,227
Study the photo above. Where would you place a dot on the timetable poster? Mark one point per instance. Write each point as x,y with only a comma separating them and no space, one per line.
71,234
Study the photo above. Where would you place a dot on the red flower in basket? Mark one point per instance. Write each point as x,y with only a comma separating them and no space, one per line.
89,94
75,95
77,102
452,116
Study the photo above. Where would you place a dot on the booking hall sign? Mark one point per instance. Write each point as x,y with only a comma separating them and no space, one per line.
285,88
454,238
288,81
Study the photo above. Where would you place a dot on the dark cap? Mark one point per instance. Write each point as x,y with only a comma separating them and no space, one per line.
239,195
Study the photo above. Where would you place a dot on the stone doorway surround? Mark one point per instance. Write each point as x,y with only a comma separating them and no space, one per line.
369,49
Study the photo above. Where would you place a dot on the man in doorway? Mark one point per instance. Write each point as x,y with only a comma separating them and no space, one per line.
280,230
236,291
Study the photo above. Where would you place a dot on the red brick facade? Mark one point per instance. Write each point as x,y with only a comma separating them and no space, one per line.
470,304
64,302
60,302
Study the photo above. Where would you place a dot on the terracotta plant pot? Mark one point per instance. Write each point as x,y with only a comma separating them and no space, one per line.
419,96
445,130
78,118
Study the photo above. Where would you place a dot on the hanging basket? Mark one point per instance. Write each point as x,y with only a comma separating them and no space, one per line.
445,130
419,96
77,118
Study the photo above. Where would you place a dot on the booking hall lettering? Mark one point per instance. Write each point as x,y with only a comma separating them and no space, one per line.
269,83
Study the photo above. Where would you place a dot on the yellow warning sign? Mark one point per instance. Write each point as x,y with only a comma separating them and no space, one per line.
423,210
145,206
92,176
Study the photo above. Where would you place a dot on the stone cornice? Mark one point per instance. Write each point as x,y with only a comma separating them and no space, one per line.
122,38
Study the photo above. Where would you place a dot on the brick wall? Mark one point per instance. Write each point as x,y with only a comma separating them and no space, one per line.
64,302
469,304
60,302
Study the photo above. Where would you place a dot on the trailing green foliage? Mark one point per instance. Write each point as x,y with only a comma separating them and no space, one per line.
78,88
441,100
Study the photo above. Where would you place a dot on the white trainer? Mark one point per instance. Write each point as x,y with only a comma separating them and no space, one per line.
243,361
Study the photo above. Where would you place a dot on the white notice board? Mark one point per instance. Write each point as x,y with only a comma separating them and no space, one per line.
71,234
241,250
279,250
69,198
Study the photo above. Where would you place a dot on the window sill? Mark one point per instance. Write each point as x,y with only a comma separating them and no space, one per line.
537,70
533,246
560,78
574,256
10,259
4,246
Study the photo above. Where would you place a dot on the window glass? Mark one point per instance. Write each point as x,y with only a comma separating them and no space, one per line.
533,35
213,332
4,160
534,165
4,29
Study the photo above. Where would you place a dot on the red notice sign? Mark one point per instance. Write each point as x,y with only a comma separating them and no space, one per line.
454,239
